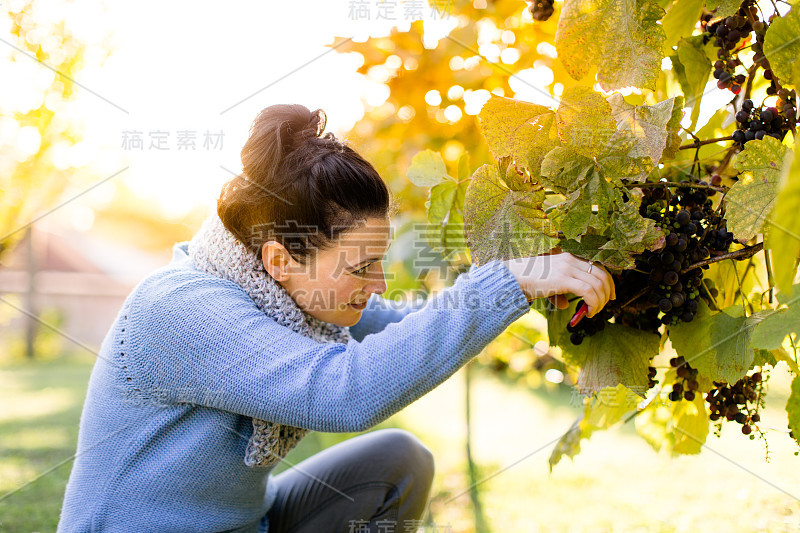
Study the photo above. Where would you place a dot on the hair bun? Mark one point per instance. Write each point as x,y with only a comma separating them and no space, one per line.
277,133
317,122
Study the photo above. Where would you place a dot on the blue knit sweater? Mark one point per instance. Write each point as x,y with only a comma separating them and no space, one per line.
190,359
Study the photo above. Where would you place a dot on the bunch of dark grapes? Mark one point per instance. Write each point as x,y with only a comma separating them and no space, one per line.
588,326
651,377
739,402
757,123
686,384
694,232
728,32
541,10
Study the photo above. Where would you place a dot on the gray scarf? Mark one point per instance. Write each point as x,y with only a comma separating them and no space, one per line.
217,251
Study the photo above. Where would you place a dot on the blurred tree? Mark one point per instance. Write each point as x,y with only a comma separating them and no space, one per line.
37,129
436,88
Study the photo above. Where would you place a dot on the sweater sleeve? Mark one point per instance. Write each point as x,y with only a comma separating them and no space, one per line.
202,340
379,313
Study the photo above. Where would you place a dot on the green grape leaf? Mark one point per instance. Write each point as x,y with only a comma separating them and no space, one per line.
621,37
463,167
689,426
782,355
689,338
783,235
502,223
614,252
580,213
724,8
655,128
427,169
782,47
692,68
616,355
518,129
445,231
568,445
680,20
750,200
563,170
763,357
777,324
793,409
584,121
601,411
730,355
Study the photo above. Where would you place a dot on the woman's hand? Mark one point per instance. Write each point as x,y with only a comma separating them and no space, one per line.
554,275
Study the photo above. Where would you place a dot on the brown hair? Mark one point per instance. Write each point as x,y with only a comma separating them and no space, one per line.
298,186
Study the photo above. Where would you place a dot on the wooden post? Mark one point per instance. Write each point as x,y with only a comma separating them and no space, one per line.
31,325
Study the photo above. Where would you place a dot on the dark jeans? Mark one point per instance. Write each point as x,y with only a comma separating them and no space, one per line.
382,480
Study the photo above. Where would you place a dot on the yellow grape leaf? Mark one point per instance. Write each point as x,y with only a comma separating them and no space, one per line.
621,37
518,129
751,199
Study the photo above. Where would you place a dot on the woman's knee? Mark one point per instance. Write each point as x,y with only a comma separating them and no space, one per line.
411,453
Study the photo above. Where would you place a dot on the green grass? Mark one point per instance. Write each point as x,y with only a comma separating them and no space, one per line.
41,405
617,482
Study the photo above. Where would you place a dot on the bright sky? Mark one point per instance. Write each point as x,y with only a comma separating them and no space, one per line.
180,69
183,68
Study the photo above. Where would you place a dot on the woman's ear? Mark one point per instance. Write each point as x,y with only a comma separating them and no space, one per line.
276,260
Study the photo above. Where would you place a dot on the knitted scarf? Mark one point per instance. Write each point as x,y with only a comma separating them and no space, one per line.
217,251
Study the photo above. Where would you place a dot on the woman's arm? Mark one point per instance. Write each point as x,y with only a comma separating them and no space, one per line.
201,339
379,313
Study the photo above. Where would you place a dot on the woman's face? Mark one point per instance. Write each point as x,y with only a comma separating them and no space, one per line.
334,285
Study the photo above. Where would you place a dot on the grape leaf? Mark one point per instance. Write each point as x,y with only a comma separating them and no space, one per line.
783,236
793,409
502,223
608,406
777,324
680,20
750,200
689,425
518,129
651,422
730,355
580,215
782,47
584,121
724,8
763,357
621,37
681,425
617,355
655,128
445,231
782,355
692,68
594,199
564,171
568,445
717,345
427,169
689,338
601,411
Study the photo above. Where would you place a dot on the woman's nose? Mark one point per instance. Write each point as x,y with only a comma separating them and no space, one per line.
377,283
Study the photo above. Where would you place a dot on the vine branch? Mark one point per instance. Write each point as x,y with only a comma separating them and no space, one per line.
744,253
673,184
698,144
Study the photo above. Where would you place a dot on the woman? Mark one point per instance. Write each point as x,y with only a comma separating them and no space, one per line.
268,324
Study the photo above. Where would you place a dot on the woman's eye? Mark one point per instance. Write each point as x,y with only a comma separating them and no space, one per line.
362,270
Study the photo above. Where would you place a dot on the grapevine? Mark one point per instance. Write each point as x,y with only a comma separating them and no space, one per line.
682,217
